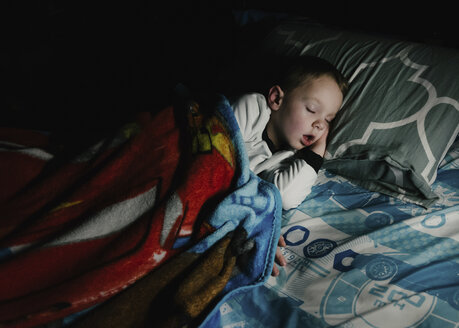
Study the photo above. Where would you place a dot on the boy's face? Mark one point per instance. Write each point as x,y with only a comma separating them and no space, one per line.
304,114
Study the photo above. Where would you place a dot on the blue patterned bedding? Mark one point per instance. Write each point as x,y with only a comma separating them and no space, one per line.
361,259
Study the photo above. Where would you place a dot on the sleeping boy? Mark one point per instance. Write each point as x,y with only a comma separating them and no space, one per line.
285,131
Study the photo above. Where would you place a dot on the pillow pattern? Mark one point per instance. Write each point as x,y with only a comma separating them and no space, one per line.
401,114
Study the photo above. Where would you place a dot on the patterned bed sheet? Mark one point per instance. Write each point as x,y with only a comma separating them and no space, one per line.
362,259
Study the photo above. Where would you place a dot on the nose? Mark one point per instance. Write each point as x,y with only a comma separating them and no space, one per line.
319,124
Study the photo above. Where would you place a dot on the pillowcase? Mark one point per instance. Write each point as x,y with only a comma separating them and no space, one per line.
401,113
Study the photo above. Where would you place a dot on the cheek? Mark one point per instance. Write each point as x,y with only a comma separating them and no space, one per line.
297,121
293,120
293,127
299,126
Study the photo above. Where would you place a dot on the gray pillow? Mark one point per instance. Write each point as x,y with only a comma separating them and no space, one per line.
401,113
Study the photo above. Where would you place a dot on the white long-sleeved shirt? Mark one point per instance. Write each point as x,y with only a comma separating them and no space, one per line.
291,174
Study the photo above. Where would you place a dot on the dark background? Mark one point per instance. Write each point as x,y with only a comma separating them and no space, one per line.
79,69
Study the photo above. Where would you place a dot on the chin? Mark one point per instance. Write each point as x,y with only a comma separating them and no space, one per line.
299,147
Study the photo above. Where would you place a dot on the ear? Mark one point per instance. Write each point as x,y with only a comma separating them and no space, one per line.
275,97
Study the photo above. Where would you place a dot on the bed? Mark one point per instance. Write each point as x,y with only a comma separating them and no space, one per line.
162,224
370,247
360,259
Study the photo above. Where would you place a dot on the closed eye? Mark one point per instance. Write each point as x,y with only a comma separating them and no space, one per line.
310,110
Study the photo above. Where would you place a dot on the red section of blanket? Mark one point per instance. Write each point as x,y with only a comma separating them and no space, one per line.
77,234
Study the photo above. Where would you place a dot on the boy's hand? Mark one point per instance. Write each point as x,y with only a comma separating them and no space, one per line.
320,145
279,257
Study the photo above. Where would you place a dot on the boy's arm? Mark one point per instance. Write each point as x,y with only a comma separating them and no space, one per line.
294,176
314,157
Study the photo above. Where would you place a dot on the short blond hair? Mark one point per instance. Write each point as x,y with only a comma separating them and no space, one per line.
298,70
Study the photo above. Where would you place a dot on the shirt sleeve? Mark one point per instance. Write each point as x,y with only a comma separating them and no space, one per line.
294,178
248,113
312,158
252,115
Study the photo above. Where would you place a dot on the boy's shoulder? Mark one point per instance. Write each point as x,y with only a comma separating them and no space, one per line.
251,102
252,114
252,96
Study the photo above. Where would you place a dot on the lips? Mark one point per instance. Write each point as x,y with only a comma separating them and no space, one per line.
307,140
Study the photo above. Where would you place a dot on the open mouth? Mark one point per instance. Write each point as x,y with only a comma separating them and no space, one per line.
307,140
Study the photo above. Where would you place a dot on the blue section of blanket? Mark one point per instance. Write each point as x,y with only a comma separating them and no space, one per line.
361,259
255,207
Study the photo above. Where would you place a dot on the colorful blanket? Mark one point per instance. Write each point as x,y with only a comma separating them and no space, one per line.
152,226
